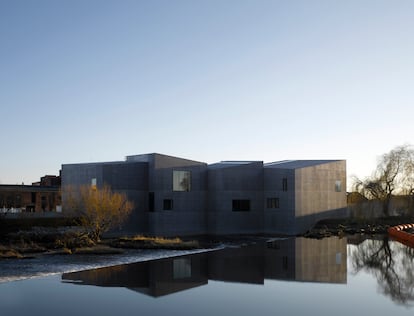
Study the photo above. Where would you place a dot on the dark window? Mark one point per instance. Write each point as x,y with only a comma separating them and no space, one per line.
9,201
273,245
34,197
284,184
285,262
241,205
272,203
168,204
151,202
44,203
18,201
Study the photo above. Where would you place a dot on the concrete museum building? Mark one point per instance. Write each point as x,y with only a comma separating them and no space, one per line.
176,197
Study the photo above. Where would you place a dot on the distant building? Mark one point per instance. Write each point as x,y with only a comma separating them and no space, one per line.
175,196
42,196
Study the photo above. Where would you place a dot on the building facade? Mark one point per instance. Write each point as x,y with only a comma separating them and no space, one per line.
175,196
40,197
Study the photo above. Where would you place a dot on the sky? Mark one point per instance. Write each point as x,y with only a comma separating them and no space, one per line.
97,80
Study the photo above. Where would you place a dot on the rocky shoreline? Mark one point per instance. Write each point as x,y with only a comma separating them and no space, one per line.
377,226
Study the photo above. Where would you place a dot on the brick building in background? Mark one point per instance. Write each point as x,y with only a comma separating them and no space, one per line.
42,196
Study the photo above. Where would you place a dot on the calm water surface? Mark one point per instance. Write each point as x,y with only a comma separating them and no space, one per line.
294,276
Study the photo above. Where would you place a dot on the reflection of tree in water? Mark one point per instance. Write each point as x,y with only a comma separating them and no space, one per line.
392,265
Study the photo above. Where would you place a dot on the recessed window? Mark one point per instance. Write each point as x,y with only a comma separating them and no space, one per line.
241,205
338,258
151,202
338,186
284,184
181,181
167,204
285,262
33,196
272,203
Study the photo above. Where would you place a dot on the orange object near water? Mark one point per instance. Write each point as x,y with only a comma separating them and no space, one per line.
399,234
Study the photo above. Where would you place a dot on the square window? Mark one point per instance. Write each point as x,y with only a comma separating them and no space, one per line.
167,204
181,181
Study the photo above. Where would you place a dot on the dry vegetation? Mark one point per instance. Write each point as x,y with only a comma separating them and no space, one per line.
27,244
144,242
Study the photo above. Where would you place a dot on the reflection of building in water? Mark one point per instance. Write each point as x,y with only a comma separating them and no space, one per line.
244,265
154,278
296,259
321,260
308,260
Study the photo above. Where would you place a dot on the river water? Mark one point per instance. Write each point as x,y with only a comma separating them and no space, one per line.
296,276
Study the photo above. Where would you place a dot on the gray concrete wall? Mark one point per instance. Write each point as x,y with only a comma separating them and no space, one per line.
241,182
316,196
188,214
279,220
81,174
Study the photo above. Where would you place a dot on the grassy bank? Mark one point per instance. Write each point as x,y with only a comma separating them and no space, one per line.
29,244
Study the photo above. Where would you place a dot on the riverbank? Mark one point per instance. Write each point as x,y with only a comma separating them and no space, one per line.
352,226
72,241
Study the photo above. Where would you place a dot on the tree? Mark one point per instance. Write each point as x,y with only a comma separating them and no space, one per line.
99,210
391,263
394,175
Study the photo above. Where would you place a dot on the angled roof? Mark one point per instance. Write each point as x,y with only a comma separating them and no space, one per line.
229,164
297,164
149,156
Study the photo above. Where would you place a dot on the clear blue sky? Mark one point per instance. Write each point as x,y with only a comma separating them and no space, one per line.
84,81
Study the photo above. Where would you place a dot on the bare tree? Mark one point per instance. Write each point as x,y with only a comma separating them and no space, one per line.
394,175
99,210
391,263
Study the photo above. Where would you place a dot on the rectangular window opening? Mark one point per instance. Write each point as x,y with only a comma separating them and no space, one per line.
241,205
151,200
284,184
181,181
272,203
338,186
33,197
285,262
167,204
